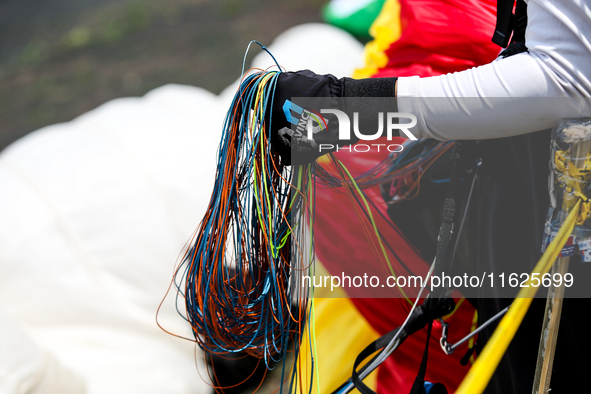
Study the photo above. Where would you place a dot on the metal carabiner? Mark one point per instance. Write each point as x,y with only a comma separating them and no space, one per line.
447,349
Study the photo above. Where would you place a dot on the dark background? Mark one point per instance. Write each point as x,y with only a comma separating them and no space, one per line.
61,58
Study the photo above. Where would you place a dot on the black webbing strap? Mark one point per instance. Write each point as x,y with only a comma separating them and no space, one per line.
513,49
417,320
418,387
520,22
508,24
423,315
447,218
373,347
504,26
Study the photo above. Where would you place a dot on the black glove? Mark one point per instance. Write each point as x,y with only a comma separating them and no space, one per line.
286,140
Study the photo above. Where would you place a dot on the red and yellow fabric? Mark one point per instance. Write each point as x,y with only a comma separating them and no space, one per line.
430,37
412,37
339,332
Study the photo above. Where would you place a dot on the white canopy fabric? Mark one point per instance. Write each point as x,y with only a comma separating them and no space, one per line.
93,215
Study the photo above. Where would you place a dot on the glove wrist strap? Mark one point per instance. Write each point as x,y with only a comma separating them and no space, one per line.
369,87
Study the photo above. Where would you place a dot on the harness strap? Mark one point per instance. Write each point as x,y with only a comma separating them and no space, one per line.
505,20
508,23
418,387
433,307
422,316
448,216
520,22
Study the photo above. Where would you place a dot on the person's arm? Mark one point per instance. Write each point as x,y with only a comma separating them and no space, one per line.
512,96
537,87
516,95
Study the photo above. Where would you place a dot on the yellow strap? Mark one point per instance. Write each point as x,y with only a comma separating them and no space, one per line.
479,375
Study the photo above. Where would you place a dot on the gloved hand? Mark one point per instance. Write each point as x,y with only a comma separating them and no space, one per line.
285,140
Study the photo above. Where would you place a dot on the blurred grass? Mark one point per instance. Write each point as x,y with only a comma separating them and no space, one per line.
61,58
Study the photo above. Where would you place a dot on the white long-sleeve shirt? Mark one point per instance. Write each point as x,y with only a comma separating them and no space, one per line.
534,89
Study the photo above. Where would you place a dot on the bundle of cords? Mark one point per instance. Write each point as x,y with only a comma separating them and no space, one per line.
405,173
235,274
402,167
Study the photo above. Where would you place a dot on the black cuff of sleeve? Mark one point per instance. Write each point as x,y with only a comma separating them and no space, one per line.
369,87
